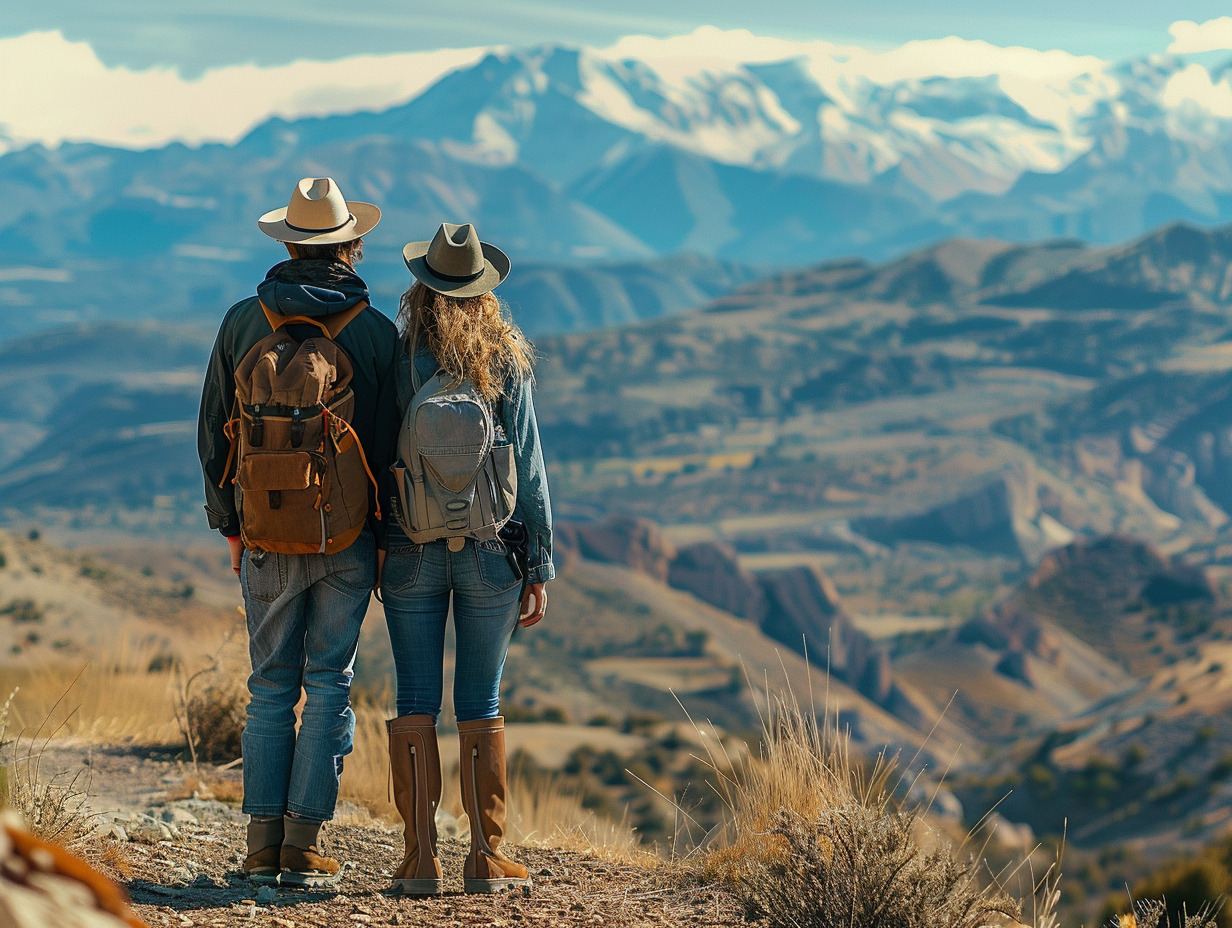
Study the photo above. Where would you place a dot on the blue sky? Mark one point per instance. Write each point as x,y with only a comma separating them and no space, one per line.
194,35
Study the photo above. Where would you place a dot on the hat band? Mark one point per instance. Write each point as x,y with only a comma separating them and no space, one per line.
454,278
350,218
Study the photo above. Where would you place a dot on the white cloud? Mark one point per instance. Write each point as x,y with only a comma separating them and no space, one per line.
56,90
1189,37
949,57
1193,87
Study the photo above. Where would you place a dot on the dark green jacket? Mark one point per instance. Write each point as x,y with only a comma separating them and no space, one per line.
301,288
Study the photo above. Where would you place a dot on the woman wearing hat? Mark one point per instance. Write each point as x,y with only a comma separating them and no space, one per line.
451,322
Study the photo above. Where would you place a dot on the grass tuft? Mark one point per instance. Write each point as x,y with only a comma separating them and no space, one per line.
53,806
814,839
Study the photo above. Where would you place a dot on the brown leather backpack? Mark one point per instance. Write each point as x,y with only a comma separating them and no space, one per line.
301,476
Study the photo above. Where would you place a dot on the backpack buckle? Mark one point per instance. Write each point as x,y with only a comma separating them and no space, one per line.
256,437
297,427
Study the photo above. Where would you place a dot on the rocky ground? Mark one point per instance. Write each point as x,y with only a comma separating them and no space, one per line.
194,880
176,845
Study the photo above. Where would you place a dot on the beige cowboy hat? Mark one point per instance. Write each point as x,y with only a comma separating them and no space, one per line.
455,262
318,215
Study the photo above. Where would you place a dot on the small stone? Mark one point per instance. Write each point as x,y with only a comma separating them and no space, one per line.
545,871
266,894
117,831
178,815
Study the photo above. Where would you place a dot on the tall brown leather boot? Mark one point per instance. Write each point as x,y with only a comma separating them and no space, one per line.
415,762
482,749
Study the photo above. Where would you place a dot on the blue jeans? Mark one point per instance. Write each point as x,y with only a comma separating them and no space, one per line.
416,585
304,617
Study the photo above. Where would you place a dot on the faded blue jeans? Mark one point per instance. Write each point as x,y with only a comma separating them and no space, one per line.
416,585
304,616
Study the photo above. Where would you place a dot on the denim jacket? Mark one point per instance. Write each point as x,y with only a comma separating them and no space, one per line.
516,411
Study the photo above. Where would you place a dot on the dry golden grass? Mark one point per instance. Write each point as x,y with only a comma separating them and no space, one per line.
113,699
548,814
814,838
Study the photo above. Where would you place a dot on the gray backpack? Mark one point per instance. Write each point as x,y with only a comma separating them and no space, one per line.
455,471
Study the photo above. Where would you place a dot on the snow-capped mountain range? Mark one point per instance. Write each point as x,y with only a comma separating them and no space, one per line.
728,145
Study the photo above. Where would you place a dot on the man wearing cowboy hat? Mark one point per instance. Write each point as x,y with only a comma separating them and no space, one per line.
304,611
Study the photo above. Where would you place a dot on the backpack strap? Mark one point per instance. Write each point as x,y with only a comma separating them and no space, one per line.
332,325
228,429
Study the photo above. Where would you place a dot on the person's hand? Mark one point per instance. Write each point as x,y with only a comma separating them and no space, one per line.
236,545
534,603
380,568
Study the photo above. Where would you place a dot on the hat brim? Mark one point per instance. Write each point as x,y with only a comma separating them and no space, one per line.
364,217
495,269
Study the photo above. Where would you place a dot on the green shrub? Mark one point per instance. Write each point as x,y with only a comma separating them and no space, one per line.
24,610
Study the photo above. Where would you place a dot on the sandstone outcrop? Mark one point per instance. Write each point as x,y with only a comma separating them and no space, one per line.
634,543
797,606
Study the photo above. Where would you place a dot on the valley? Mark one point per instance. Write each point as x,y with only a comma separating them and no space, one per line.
970,504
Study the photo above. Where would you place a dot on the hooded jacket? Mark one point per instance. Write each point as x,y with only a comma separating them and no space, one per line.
301,287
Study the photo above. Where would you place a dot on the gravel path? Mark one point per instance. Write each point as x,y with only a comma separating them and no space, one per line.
193,879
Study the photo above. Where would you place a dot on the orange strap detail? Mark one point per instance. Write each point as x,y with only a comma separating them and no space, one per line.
228,429
332,325
376,495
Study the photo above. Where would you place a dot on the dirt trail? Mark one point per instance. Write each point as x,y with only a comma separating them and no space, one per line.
180,855
195,881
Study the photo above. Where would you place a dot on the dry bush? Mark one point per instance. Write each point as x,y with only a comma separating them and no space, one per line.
813,839
1153,913
215,719
211,705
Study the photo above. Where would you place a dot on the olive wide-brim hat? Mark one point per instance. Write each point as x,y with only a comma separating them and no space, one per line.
318,214
456,263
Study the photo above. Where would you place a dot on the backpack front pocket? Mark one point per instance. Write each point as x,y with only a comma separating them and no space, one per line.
276,471
282,504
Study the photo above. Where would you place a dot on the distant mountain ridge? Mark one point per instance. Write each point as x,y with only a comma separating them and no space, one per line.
781,154
1079,390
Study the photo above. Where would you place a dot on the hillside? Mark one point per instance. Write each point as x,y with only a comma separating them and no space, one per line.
1001,397
852,396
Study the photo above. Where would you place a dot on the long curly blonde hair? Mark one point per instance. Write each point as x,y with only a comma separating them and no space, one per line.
468,336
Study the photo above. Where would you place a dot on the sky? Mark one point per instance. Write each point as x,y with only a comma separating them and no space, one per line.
195,35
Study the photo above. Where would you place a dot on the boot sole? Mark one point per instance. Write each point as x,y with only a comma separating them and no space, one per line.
263,877
424,887
499,885
309,880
